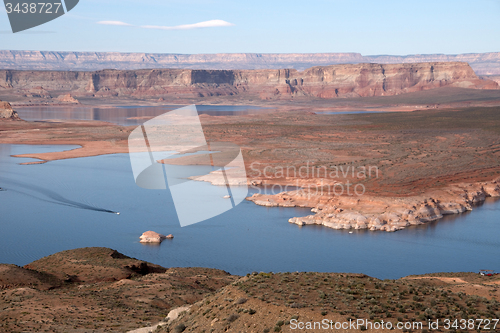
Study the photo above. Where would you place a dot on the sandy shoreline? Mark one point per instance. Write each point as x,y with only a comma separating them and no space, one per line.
94,137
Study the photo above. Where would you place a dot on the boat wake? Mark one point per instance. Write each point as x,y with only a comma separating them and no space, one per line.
50,196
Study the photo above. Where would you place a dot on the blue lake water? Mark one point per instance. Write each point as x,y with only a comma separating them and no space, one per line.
127,115
348,112
51,207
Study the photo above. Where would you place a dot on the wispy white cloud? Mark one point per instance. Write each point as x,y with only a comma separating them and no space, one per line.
114,23
199,25
205,24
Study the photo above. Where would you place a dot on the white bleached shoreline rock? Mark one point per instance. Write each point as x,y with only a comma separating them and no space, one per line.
152,237
381,213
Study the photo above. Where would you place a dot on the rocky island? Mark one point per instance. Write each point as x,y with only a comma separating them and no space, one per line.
154,237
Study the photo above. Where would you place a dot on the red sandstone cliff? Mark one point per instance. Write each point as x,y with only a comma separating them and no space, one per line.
325,82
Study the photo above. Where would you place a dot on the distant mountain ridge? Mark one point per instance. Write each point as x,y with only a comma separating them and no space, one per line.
481,63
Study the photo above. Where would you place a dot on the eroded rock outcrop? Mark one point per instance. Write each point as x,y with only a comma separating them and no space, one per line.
6,112
68,99
381,213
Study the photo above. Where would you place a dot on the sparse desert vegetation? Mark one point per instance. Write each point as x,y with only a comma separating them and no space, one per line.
100,298
276,299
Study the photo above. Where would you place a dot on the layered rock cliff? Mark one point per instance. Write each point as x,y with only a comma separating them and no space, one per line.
324,82
482,63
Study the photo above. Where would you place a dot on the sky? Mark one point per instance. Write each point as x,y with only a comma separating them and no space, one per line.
265,26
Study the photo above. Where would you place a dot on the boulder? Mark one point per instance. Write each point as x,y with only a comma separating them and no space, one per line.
152,237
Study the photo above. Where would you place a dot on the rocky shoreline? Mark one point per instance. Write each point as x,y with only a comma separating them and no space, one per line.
381,213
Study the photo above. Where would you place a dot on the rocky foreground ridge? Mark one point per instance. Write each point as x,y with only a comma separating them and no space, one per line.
482,63
362,80
101,290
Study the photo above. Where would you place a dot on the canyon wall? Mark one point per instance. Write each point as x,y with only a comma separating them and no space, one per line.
482,63
349,80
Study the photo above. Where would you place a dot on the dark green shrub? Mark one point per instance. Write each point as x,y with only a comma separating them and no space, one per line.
179,328
232,317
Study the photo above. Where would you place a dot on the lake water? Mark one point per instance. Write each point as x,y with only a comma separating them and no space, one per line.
127,115
51,207
348,112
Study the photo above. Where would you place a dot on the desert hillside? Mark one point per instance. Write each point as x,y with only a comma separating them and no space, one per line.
101,290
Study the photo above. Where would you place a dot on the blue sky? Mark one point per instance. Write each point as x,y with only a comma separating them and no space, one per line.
368,27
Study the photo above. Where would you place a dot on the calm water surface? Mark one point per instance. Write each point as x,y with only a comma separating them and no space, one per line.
348,112
51,207
127,115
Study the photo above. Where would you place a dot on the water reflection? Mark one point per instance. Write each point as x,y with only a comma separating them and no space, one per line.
126,115
348,112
